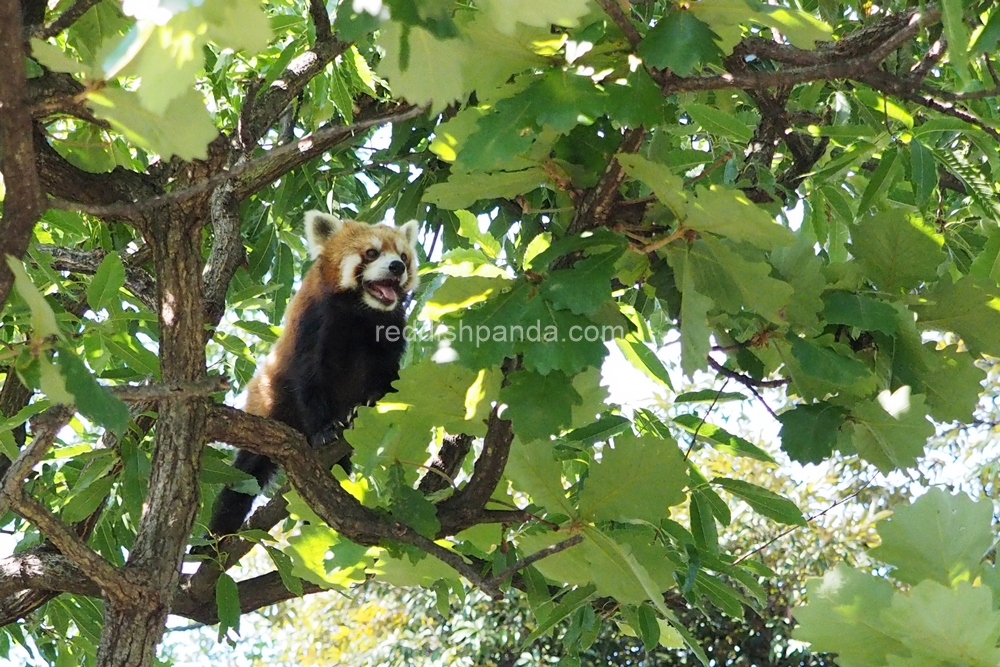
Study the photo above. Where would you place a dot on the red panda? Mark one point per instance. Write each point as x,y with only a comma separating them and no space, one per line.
341,346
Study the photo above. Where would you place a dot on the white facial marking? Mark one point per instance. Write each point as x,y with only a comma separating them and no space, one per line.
372,302
379,269
348,269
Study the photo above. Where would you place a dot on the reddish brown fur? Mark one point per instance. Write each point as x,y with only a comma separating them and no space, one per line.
353,239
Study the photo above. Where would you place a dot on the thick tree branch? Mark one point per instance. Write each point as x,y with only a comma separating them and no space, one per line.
255,593
454,449
274,164
311,478
598,204
42,570
22,205
227,255
66,19
86,262
828,63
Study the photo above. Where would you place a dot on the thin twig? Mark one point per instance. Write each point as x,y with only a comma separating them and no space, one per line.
535,557
694,436
745,380
757,550
617,14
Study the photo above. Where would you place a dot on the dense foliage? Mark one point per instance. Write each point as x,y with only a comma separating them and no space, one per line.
798,195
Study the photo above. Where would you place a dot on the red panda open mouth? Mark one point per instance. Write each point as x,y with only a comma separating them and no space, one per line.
386,291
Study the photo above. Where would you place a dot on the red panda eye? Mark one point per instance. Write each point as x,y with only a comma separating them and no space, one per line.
404,257
371,253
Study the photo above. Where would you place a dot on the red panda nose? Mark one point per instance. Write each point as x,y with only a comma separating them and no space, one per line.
396,268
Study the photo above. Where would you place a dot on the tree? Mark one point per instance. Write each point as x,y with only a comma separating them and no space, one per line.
802,194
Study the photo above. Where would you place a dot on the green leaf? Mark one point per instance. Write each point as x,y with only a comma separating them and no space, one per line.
667,187
644,359
940,536
896,251
430,73
924,168
734,282
939,625
702,519
957,35
721,439
681,42
640,478
532,469
568,603
829,367
809,432
859,311
763,501
458,293
539,405
91,399
560,340
184,129
428,394
227,600
468,226
85,501
109,279
846,615
636,101
506,14
463,190
801,28
967,307
709,396
695,332
283,563
562,99
890,431
501,136
881,180
43,320
583,287
716,121
727,212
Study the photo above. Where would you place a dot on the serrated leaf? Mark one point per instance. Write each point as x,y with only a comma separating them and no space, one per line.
506,14
801,28
940,536
109,278
716,121
845,614
881,180
938,625
83,502
568,603
43,320
667,187
91,399
283,563
463,190
923,167
429,74
895,440
681,42
582,288
809,432
558,340
827,366
896,251
640,478
859,311
532,468
727,212
409,506
227,601
763,501
967,307
721,439
500,136
185,128
459,293
644,359
468,226
539,405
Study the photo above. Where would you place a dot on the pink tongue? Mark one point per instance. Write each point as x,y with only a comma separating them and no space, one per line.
384,292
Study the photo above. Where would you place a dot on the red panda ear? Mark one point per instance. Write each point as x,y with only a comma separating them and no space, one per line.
410,230
320,227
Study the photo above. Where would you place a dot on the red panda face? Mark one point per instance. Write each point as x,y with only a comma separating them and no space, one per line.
377,261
